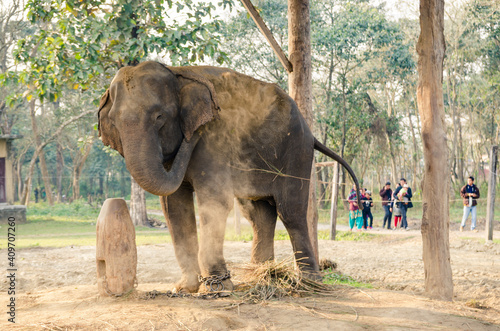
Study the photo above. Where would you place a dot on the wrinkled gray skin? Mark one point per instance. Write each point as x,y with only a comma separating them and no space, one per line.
222,135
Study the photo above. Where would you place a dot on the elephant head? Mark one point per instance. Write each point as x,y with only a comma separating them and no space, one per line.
151,115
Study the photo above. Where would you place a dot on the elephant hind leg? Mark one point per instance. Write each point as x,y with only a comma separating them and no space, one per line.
178,209
262,216
294,217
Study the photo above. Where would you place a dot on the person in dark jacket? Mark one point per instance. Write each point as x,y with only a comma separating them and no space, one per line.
367,202
36,194
469,193
386,195
403,201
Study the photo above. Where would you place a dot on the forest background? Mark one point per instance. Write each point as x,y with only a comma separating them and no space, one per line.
57,58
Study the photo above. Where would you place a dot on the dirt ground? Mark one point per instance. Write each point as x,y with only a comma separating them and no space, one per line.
57,290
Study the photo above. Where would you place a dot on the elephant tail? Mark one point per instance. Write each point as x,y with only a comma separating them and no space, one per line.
328,152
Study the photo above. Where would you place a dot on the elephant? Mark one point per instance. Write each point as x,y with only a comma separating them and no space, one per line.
221,135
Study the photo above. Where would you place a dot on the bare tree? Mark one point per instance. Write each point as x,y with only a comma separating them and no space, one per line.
300,89
435,219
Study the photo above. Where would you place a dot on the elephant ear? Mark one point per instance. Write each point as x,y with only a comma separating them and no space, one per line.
107,131
198,104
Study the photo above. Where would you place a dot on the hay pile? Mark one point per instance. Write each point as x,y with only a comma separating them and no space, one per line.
275,280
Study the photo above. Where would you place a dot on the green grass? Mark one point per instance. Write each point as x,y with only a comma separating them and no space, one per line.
79,211
247,235
348,235
74,225
335,278
60,233
152,202
480,240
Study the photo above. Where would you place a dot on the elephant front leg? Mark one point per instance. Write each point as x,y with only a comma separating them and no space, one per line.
178,209
213,210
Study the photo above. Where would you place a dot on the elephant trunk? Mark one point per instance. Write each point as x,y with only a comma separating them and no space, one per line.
144,161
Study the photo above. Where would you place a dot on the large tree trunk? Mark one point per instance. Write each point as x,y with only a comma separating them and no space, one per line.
138,211
435,219
300,89
41,155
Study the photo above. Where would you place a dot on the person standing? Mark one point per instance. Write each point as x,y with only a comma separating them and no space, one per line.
354,212
403,201
396,212
367,202
469,193
386,195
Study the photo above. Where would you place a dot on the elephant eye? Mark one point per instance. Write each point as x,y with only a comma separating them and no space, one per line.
159,117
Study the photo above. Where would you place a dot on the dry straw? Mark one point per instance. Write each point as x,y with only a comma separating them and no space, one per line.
278,279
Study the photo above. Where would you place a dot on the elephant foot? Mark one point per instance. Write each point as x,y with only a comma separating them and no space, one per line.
216,284
223,286
186,285
312,275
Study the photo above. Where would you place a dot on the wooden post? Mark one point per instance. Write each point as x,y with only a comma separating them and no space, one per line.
333,209
268,35
116,253
237,218
492,183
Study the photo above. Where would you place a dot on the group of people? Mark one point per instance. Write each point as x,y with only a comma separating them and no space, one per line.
41,192
397,202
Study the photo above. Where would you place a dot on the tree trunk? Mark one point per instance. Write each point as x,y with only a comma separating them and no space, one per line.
123,183
38,149
138,211
19,172
460,154
334,206
300,89
343,185
41,155
79,162
454,120
60,171
394,170
342,147
435,219
415,151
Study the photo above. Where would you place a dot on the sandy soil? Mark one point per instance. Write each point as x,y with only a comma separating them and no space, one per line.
57,290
